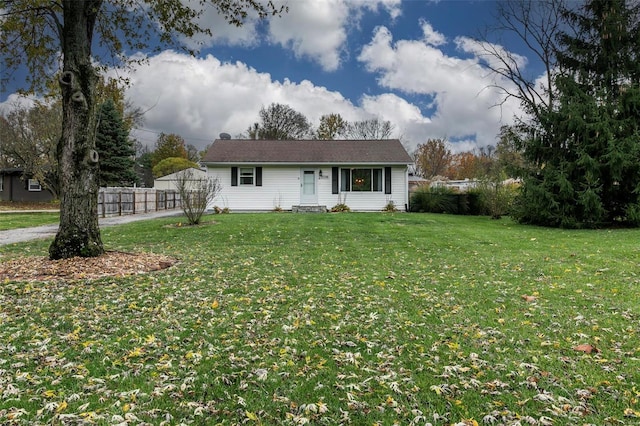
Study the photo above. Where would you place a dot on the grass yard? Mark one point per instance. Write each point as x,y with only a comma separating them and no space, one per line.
359,319
25,220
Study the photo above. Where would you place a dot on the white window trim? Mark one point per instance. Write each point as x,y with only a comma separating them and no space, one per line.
34,186
241,176
350,181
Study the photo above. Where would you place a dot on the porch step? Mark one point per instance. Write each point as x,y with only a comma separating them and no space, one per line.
309,209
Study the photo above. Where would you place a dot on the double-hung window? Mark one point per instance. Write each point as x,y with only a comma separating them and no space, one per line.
361,180
34,185
246,175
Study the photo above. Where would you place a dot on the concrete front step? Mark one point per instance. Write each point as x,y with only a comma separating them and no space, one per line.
309,209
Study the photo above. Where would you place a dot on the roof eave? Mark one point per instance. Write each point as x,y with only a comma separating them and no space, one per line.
309,163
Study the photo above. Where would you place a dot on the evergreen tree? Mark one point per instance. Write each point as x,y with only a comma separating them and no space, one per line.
115,150
585,150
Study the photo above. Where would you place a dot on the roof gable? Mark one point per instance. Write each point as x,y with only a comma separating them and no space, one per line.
197,174
385,151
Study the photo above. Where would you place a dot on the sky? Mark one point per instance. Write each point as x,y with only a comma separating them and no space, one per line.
412,62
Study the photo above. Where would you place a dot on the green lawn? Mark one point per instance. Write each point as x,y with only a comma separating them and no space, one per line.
25,220
333,318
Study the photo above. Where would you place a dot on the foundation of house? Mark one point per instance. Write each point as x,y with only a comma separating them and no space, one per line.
309,209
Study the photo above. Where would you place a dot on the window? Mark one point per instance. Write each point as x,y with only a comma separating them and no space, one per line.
246,175
34,185
361,180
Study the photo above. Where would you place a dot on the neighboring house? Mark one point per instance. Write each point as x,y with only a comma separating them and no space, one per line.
267,174
416,182
168,182
15,186
462,185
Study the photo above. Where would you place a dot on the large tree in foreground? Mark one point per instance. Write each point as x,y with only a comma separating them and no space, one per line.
585,156
35,33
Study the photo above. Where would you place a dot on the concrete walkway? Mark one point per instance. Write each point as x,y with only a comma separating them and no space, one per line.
46,231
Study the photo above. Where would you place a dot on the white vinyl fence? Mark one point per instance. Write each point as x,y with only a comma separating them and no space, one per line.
114,201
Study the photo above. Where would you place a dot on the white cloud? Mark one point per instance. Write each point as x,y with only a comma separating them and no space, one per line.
392,7
464,101
317,30
431,36
199,98
483,53
16,101
221,30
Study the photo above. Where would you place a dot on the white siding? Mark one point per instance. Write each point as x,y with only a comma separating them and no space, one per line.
370,201
168,182
281,188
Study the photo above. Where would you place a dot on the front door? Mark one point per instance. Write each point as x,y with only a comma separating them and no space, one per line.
308,189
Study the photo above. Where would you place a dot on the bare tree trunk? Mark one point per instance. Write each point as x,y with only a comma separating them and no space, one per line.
79,233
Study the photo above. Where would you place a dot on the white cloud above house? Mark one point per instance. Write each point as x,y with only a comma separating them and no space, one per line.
200,97
464,104
313,30
428,84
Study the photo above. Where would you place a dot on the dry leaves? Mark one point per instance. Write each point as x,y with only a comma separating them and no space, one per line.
586,348
111,264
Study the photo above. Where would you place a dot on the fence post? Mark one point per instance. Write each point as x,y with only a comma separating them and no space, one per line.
145,201
134,201
119,203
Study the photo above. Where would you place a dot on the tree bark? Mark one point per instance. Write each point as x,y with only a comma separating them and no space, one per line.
79,233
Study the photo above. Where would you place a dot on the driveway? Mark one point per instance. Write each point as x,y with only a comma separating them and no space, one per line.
46,231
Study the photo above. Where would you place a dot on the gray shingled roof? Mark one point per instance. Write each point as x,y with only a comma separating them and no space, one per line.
387,151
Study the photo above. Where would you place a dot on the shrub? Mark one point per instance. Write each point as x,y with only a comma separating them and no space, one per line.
196,193
435,200
340,207
342,204
390,207
496,199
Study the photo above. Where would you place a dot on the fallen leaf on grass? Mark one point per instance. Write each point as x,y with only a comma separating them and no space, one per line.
112,263
586,348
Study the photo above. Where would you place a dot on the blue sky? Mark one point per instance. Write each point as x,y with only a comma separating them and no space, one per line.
410,62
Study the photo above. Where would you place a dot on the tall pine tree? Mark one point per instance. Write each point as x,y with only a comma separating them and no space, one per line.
115,150
585,151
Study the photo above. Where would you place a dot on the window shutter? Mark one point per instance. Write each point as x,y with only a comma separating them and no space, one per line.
258,176
234,176
345,184
387,180
334,180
